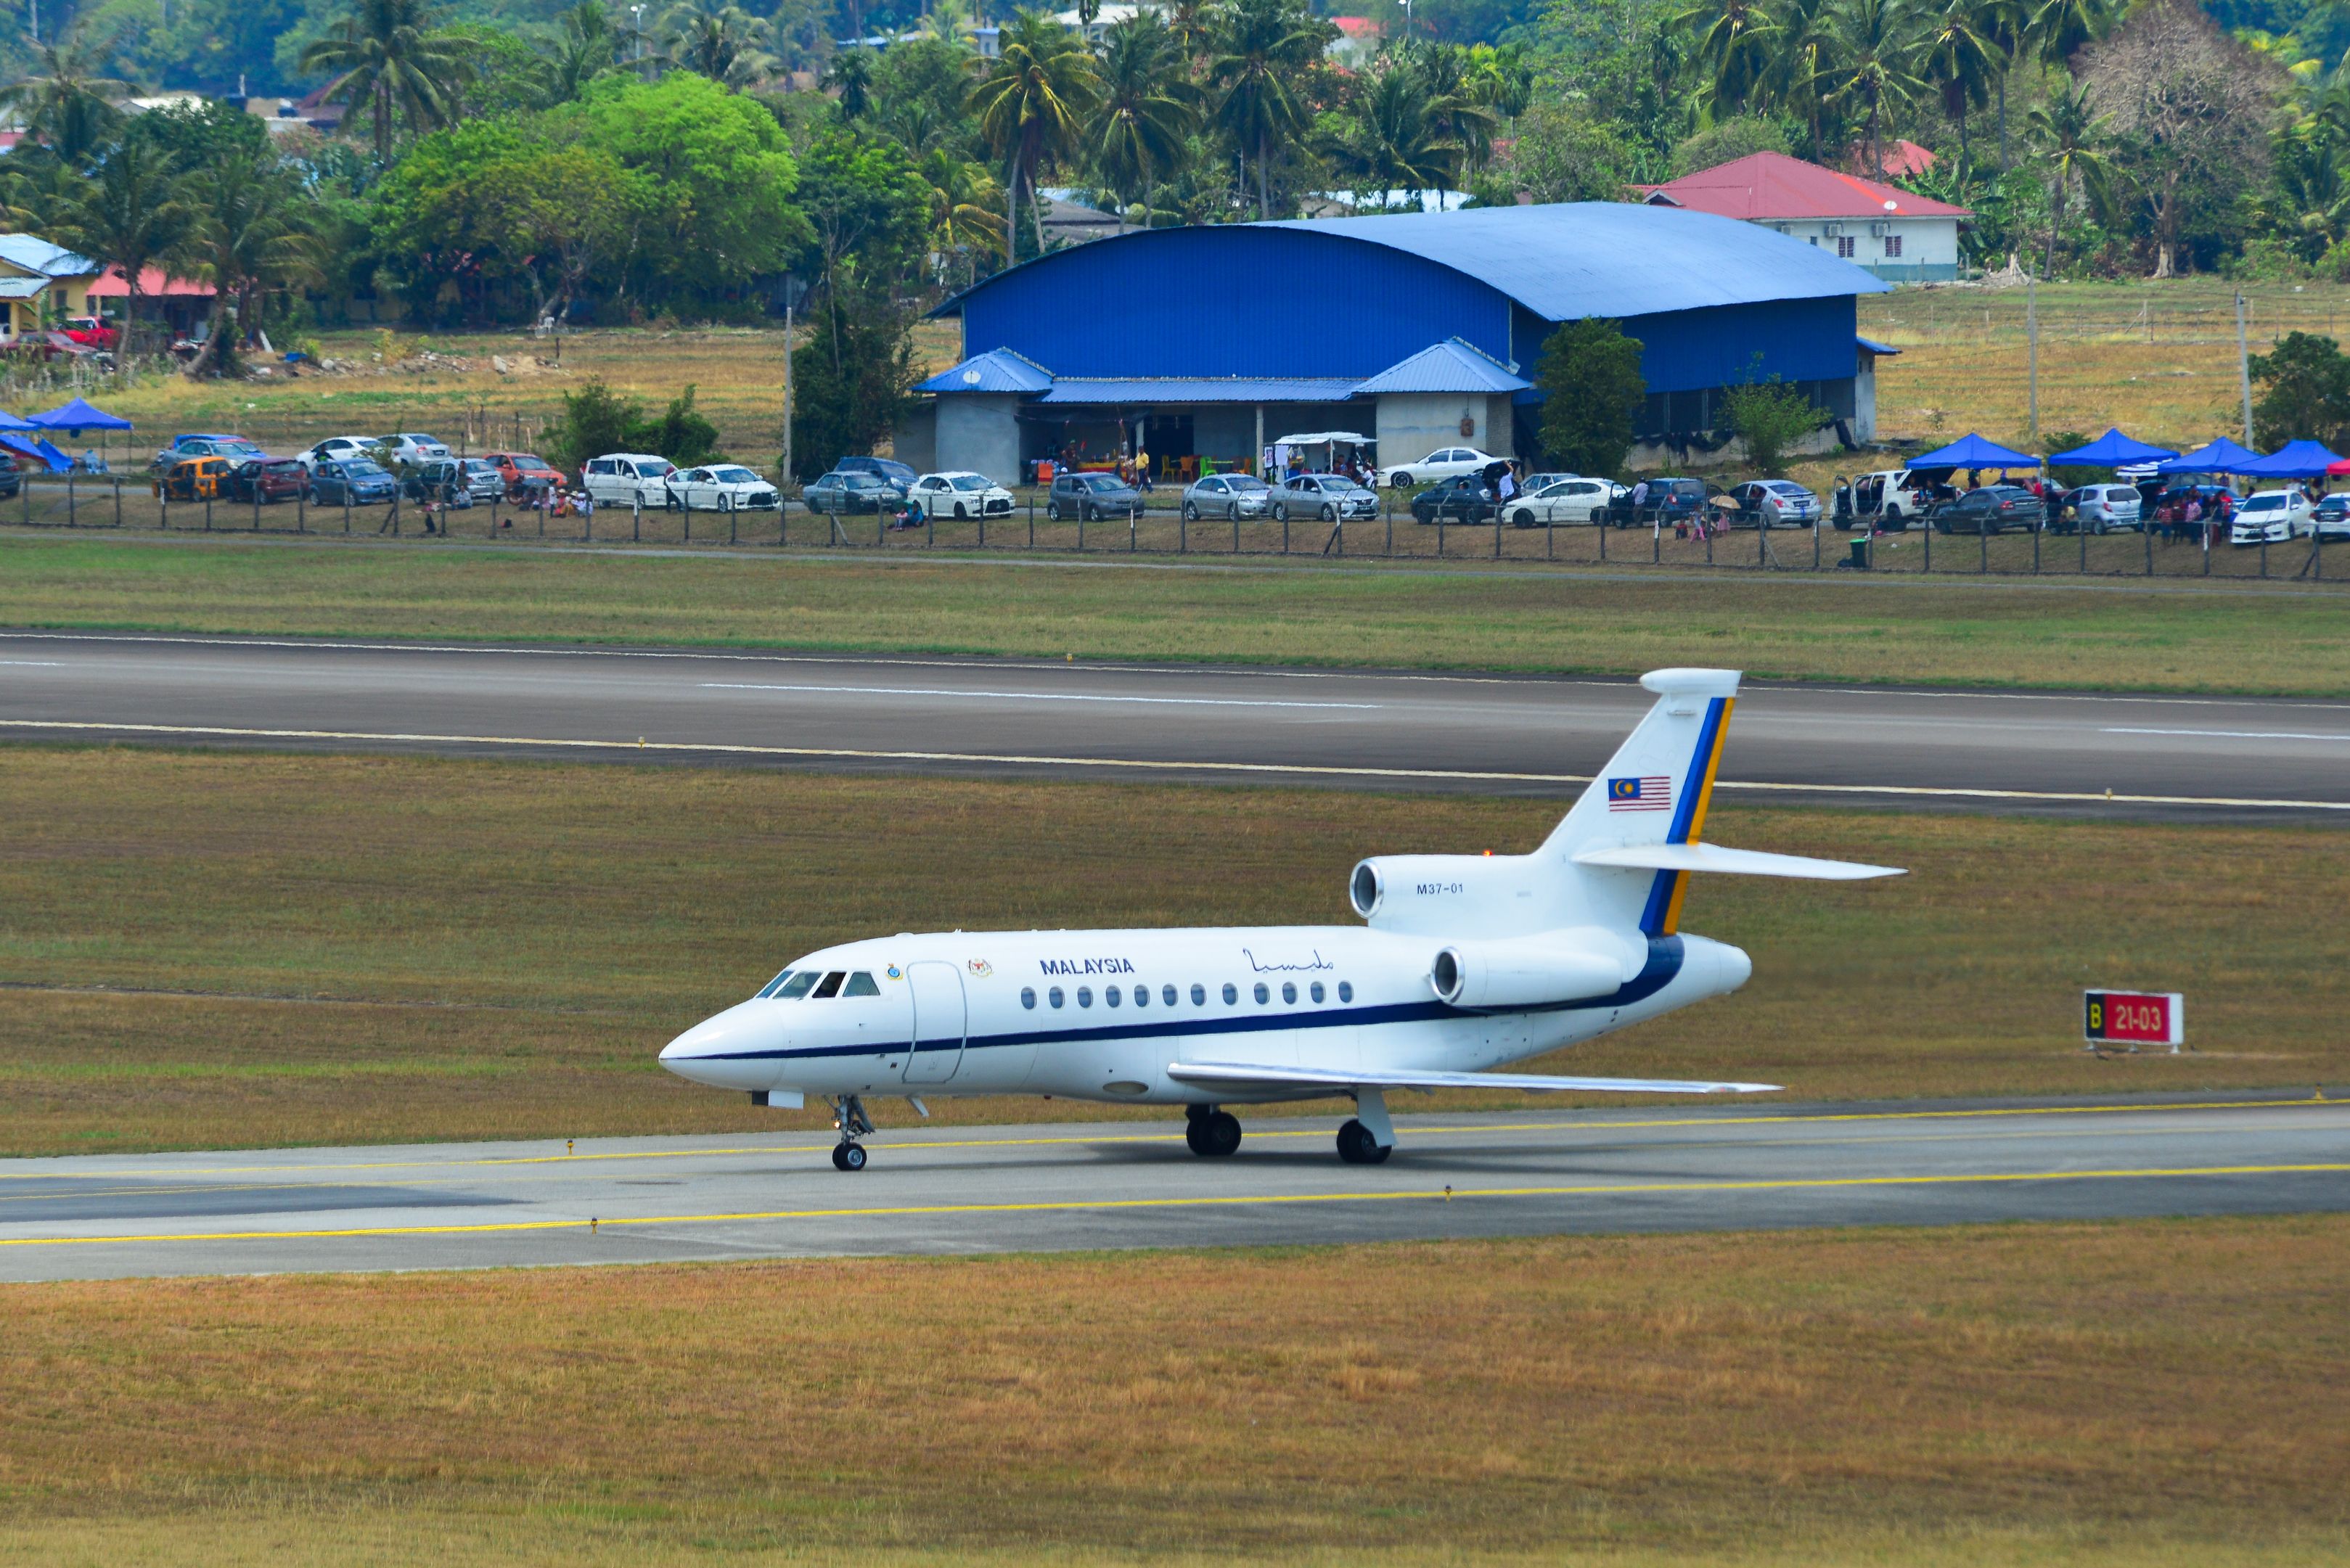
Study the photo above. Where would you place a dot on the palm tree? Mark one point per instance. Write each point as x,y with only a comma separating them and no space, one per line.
1733,43
1262,47
588,48
944,23
963,219
1148,107
722,41
851,77
1032,104
1959,62
2308,200
131,216
386,54
2057,28
250,234
1396,136
69,104
2077,140
1869,63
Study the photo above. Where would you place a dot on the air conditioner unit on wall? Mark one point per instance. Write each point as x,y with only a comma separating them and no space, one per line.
1876,228
1833,230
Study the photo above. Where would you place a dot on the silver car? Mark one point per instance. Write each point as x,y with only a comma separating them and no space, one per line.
1329,496
1227,495
1781,502
2105,508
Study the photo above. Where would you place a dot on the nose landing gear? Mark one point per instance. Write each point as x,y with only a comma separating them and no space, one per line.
849,1118
1210,1131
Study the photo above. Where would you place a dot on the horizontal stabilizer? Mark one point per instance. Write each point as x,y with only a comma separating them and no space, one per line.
1247,1076
1745,862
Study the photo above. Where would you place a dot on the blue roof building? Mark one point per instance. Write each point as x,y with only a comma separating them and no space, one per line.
1423,327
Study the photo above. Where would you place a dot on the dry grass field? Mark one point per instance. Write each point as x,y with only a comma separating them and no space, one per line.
217,949
2156,1393
2265,640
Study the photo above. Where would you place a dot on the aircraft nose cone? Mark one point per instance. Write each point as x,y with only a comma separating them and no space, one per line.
730,1050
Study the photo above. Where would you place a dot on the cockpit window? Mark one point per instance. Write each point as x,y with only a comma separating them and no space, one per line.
773,985
831,986
861,984
795,985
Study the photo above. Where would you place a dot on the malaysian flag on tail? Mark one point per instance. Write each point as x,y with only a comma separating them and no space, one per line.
1653,792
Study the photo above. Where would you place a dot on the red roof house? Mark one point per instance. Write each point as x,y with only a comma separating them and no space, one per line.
1899,236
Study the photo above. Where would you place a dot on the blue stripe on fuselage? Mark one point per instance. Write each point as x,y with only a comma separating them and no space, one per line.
1665,955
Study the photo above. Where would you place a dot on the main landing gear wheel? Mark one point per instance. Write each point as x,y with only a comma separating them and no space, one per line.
849,1157
1212,1132
1358,1147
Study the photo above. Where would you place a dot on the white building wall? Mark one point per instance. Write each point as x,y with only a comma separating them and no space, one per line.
1413,424
1899,250
979,432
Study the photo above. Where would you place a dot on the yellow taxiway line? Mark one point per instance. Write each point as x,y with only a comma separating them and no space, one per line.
1295,770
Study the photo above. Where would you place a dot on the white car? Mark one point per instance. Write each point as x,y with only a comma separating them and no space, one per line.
1563,501
629,479
1892,495
961,494
1444,463
720,487
412,447
336,449
2270,516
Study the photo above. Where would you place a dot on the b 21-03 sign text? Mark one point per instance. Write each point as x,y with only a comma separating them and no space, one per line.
2134,1018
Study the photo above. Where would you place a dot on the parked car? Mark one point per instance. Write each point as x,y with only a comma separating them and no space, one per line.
1444,463
193,478
1668,501
2100,509
1231,497
266,480
335,447
1891,497
91,332
961,493
1534,482
720,487
1328,496
842,493
1088,496
1567,501
516,467
620,479
898,477
2332,518
1781,502
12,477
1993,509
446,480
2270,516
481,478
200,445
356,481
410,447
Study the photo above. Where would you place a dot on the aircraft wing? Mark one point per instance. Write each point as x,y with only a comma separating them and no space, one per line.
1244,1075
1747,862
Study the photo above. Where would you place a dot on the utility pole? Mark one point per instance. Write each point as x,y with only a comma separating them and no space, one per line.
787,397
2031,338
2243,368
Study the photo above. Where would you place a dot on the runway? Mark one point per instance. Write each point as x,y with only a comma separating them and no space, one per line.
1133,1183
2188,757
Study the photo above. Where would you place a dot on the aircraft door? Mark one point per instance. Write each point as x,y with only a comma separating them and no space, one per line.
940,1023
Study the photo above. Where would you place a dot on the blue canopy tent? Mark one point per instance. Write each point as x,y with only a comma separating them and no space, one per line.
2221,456
1971,450
9,421
2294,459
2112,450
32,449
73,418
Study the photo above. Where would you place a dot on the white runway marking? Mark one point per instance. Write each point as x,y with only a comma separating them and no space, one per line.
1026,696
39,663
2233,734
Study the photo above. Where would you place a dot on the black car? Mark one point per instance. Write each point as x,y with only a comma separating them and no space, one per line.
11,478
1462,499
1664,500
896,475
847,490
1089,496
1993,509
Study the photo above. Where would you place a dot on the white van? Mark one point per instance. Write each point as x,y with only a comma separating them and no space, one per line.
628,478
1892,496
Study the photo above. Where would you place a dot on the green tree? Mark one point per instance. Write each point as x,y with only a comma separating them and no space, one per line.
385,53
720,40
1395,139
1262,50
1032,103
1868,66
250,234
132,215
1959,62
1562,154
1769,417
1727,139
1147,109
2305,392
69,104
1732,44
2074,142
965,221
852,385
850,80
1589,375
596,419
586,48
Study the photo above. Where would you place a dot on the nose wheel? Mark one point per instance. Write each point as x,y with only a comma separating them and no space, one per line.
849,1118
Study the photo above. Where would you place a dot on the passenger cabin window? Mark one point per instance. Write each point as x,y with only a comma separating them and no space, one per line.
861,984
1110,996
1346,990
1288,991
1055,996
1199,996
1085,996
1028,997
829,986
1231,994
1262,996
1167,995
1317,991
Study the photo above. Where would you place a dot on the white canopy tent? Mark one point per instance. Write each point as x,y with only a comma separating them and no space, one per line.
1329,440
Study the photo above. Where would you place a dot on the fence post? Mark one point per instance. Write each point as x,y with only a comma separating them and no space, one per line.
1927,528
2146,534
1705,528
24,494
1657,539
879,524
1762,526
256,504
1236,530
637,518
1815,544
347,508
1081,528
301,510
2264,552
118,503
1391,516
686,512
2039,527
1032,516
73,517
1285,530
1600,520
983,524
208,514
1982,537
1182,529
1550,541
1440,533
1497,533
931,526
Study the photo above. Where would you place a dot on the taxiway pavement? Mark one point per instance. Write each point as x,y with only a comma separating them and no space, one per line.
942,1191
2198,758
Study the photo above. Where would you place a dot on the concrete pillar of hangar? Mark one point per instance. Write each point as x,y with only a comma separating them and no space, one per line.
1256,453
979,432
1864,399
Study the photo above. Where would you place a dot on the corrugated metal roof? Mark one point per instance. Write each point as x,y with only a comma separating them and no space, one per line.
35,254
997,370
23,287
1762,186
1873,346
1576,259
1202,389
1452,366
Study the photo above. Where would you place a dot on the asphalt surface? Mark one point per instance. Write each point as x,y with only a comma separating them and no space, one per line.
1739,1167
2190,757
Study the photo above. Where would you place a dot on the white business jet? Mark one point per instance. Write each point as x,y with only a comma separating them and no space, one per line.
1462,963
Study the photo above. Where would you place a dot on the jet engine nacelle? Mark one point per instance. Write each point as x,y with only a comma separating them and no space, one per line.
1454,895
1523,971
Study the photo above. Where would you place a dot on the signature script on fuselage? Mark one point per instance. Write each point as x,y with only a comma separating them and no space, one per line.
1319,963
